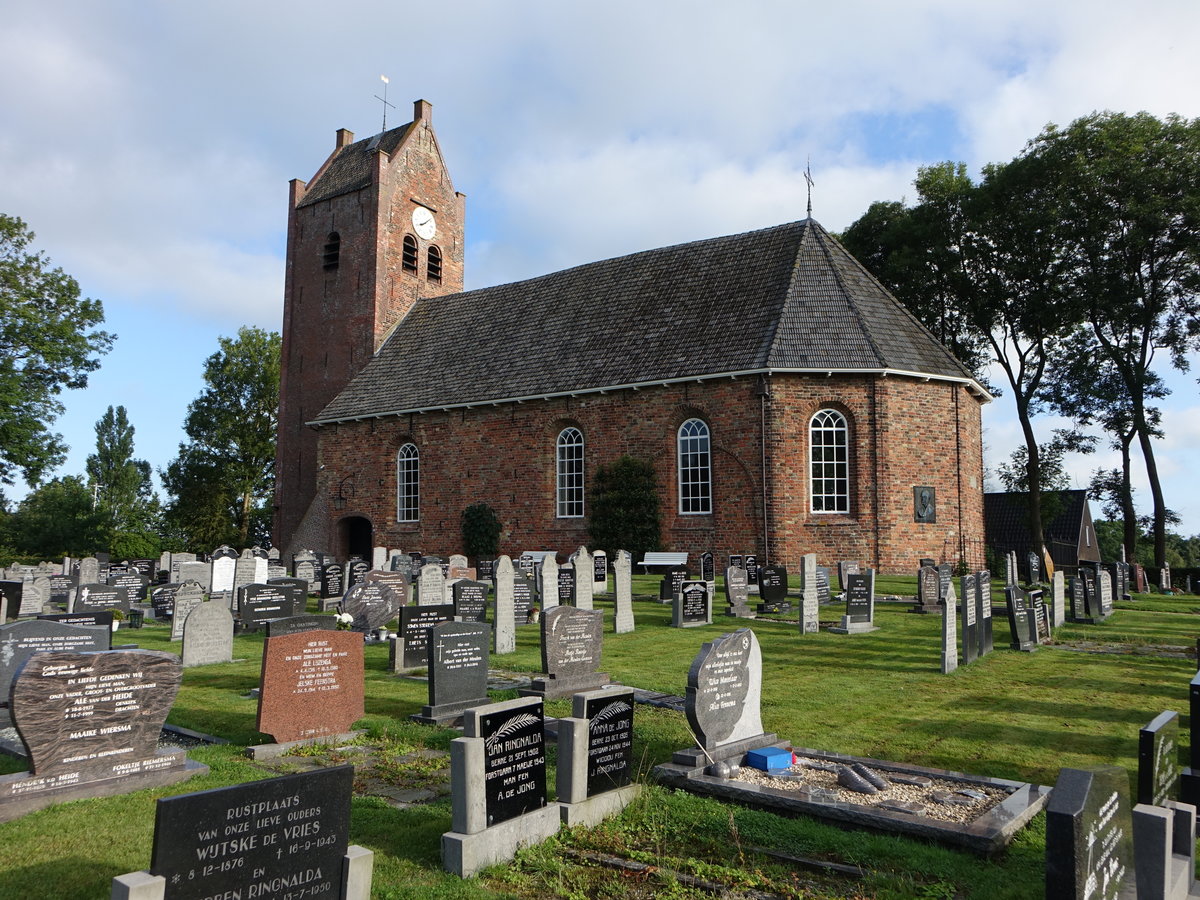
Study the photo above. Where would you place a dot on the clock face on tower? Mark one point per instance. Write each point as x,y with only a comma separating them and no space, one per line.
423,223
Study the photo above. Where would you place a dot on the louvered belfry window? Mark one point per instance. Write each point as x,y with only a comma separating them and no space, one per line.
433,264
408,254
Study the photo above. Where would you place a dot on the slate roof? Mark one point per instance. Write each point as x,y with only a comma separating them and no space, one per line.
783,298
350,168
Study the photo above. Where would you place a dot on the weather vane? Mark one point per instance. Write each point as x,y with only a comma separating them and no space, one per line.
808,177
384,98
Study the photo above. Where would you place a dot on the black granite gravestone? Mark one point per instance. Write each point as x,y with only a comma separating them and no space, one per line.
708,570
282,837
1158,760
599,568
969,618
858,598
823,594
457,659
162,600
1089,836
92,597
20,640
1078,601
514,768
260,603
724,691
1023,636
1039,622
672,583
470,600
752,569
415,622
356,570
772,590
135,584
736,560
692,605
566,585
610,742
524,596
332,580
983,610
101,620
373,604
1033,566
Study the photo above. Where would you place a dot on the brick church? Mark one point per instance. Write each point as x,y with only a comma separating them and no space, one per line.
788,403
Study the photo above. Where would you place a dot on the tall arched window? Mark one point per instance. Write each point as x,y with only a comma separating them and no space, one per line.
695,468
829,462
569,474
433,264
408,483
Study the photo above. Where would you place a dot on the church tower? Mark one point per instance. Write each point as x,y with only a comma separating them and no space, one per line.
378,227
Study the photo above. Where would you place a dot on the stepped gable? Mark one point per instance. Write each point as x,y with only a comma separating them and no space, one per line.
784,298
349,168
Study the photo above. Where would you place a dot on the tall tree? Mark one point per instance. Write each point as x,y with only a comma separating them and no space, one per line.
48,342
223,479
1129,187
58,519
122,488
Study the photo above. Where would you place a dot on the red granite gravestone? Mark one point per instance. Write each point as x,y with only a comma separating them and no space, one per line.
312,685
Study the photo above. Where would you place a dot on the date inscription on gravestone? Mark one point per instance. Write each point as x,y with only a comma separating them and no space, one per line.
312,684
610,741
281,837
514,763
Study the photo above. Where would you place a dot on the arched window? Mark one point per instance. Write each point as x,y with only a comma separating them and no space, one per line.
569,474
331,253
433,264
408,254
829,462
408,483
695,469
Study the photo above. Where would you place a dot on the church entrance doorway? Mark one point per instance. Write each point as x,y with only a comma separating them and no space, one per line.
354,537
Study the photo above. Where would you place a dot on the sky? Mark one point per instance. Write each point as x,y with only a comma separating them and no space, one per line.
149,145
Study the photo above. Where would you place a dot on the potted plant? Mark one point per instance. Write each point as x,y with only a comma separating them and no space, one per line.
117,617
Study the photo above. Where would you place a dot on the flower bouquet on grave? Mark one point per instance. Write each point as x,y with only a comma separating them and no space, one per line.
344,621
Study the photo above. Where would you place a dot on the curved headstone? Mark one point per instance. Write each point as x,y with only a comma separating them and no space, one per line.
724,692
208,635
372,603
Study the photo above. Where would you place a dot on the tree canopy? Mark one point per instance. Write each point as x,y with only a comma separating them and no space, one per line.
222,482
123,490
48,343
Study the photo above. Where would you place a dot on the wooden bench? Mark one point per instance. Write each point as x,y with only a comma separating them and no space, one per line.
669,560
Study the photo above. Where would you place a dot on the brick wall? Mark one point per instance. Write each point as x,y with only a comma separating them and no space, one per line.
903,433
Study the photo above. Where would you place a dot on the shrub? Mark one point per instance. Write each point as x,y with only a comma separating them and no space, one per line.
624,507
481,532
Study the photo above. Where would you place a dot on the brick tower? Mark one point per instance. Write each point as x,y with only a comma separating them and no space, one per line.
377,228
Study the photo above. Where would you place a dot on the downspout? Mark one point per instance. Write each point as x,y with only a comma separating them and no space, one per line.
764,392
876,439
962,538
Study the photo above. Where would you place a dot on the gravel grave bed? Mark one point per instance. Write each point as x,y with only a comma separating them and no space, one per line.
809,774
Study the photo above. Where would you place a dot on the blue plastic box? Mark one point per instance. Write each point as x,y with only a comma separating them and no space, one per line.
769,759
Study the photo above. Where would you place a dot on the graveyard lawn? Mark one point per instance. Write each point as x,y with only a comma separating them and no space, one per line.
1078,702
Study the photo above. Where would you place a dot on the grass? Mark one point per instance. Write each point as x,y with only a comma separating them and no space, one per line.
1010,715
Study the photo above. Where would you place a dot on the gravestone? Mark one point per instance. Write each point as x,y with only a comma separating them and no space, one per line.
772,591
373,604
356,570
431,586
572,642
188,596
595,757
949,631
135,585
623,591
485,569
208,636
1089,831
969,611
1039,616
498,786
566,584
809,606
548,583
10,598
398,582
89,723
1058,604
223,563
860,604
1105,592
524,597
1010,569
1033,566
1189,779
246,570
600,572
279,837
458,563
304,565
260,603
983,610
584,590
101,621
708,571
672,583
299,624
379,557
35,595
457,658
1020,620
93,597
409,650
62,590
823,592
1164,851
504,630
333,580
692,606
21,639
751,566
402,563
1158,760
312,685
737,594
724,698
199,572
928,602
845,569
470,600
162,601
89,570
